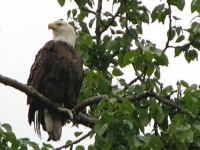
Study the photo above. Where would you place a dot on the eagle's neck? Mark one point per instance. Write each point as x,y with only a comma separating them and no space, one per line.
64,37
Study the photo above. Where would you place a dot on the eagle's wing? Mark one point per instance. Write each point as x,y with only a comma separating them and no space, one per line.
57,73
38,71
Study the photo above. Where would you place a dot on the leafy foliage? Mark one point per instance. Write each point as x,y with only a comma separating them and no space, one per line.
110,41
8,140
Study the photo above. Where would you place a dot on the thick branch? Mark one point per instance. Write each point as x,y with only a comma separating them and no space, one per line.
88,102
84,119
88,121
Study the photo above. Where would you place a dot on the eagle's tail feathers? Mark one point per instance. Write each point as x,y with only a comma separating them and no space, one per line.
53,125
37,125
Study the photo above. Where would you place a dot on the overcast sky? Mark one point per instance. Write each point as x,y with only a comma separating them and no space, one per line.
24,31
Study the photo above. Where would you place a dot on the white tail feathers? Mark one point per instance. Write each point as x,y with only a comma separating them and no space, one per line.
53,125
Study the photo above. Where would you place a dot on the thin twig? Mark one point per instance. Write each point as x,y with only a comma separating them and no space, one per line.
111,22
88,10
75,142
170,26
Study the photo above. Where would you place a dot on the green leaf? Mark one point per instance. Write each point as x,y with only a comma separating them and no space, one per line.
195,6
117,72
84,27
123,22
68,13
91,22
68,142
159,114
80,147
139,89
34,145
129,122
24,141
178,30
156,143
127,107
178,51
172,35
101,105
112,31
107,145
157,12
107,14
186,135
128,57
180,38
157,73
47,145
180,4
74,12
61,2
7,127
77,133
184,83
120,32
100,129
150,70
81,3
161,59
191,55
87,39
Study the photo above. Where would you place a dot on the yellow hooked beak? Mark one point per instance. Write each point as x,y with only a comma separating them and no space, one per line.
52,26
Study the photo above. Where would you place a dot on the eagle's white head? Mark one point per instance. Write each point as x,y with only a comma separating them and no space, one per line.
63,31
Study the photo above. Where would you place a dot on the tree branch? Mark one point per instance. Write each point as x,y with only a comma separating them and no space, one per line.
88,102
108,25
75,142
29,90
170,26
82,118
163,100
98,17
88,10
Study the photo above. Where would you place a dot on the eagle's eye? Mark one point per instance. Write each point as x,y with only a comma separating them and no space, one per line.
59,24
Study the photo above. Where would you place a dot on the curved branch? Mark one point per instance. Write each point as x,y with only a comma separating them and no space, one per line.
88,102
84,119
29,90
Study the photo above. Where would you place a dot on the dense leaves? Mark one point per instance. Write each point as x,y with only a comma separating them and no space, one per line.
112,40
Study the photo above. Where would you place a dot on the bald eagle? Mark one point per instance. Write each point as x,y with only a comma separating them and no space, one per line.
57,73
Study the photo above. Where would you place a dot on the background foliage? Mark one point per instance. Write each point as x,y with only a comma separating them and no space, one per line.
110,40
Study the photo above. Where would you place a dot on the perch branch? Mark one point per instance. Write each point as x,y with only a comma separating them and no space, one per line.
84,119
29,90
